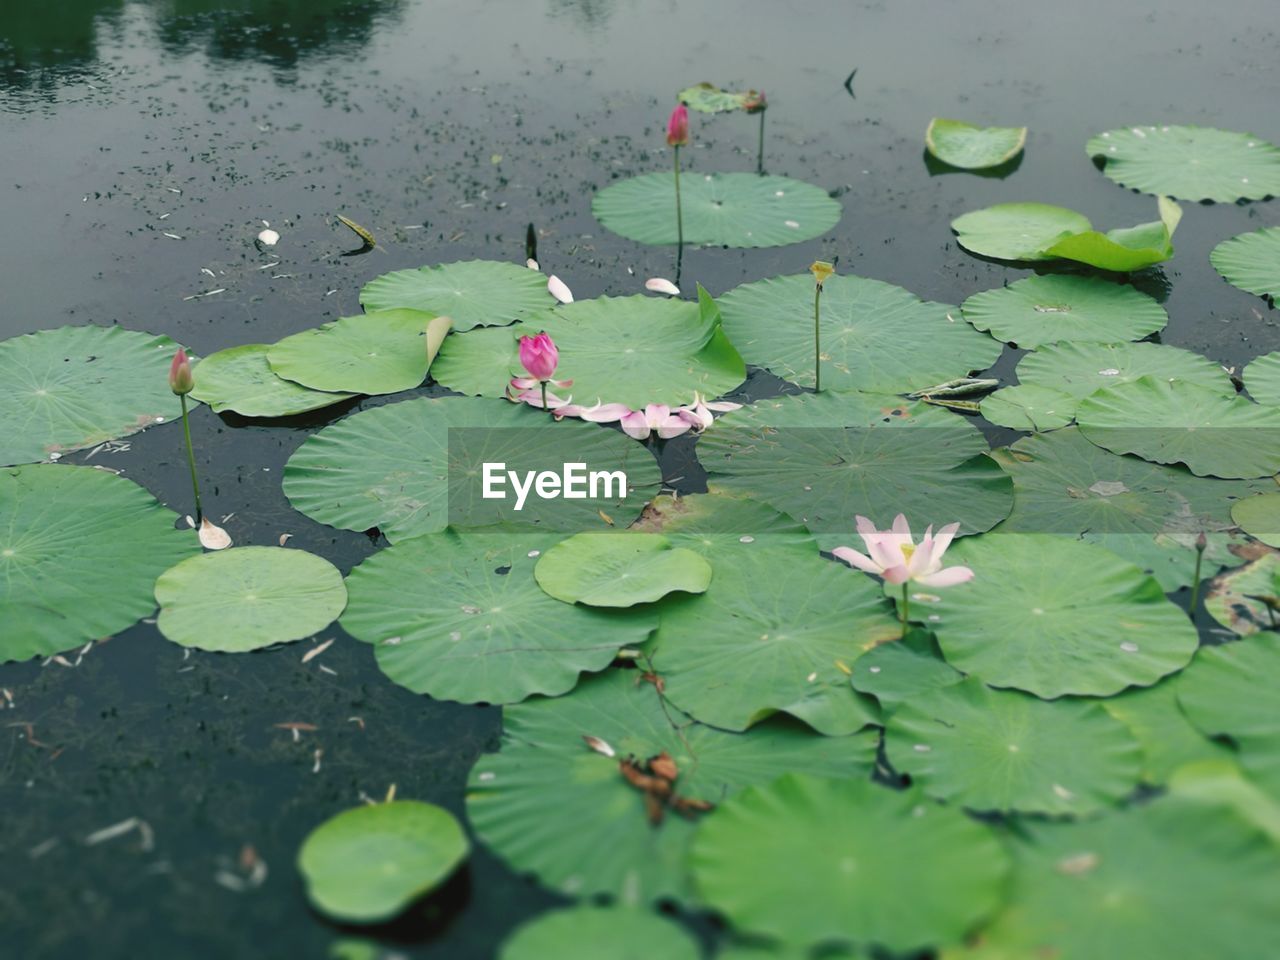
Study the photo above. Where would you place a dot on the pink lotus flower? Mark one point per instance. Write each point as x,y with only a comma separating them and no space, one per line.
755,102
678,127
893,555
656,417
539,356
698,414
180,380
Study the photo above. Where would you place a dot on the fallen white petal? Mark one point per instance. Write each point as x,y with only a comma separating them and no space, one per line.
659,285
213,537
557,288
532,264
268,238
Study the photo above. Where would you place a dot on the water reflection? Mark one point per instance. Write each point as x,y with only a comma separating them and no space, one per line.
591,15
36,37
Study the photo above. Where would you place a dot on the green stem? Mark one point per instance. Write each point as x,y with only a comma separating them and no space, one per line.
760,148
817,346
1195,585
544,394
191,458
679,215
906,606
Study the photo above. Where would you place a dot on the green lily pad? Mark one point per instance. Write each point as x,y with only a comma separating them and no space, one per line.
1017,231
1029,407
1233,599
415,467
1169,741
1043,309
849,861
776,631
1251,261
825,458
550,805
708,98
1124,249
620,569
963,145
899,672
875,336
247,598
1214,435
79,552
240,380
76,387
460,617
599,933
719,209
1005,751
1221,783
1230,690
1052,616
383,352
1160,880
1192,163
1259,517
368,863
1262,379
472,293
632,350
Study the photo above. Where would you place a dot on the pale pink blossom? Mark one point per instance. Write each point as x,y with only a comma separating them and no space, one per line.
893,555
661,285
654,418
698,414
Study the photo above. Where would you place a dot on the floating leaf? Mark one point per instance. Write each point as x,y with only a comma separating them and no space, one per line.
71,533
1029,407
719,209
825,458
248,598
897,673
239,379
963,145
1220,783
1214,435
1005,751
1124,249
1251,261
1191,163
1259,517
414,467
620,569
1262,379
875,336
847,860
1017,231
76,387
1168,739
599,933
708,98
1043,309
368,863
549,805
471,292
479,628
1161,880
383,352
631,350
1054,616
772,631
1236,601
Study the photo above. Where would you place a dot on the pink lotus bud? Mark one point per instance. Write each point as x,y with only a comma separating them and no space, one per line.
678,127
755,102
539,356
180,379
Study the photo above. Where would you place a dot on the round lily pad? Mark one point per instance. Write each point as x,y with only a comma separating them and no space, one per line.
1029,407
416,466
1169,741
459,616
1188,162
777,630
708,98
247,598
807,860
631,350
1052,616
620,569
240,380
1005,751
1160,880
1214,435
383,352
1044,309
368,863
963,145
1262,379
470,292
71,533
719,209
1221,783
1230,690
1242,600
826,458
551,805
1017,231
75,387
896,673
1251,261
599,933
1259,517
874,337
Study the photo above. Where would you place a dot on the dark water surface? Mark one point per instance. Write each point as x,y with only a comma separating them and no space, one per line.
446,127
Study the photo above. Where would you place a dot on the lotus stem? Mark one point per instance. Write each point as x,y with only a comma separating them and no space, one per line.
544,394
1201,543
760,147
191,458
679,216
817,343
906,606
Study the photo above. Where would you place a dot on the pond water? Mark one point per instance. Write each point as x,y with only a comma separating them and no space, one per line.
143,145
